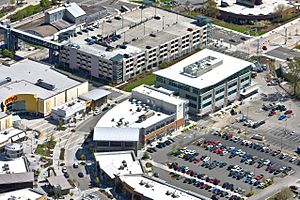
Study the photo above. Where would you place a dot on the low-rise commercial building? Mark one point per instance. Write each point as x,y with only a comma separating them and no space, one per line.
149,114
113,164
208,79
95,98
144,187
10,135
14,150
59,185
15,174
29,87
68,111
26,193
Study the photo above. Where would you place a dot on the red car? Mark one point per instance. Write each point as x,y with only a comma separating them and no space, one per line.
288,112
203,186
190,171
259,177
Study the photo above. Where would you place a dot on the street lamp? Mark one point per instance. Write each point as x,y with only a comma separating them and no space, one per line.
285,132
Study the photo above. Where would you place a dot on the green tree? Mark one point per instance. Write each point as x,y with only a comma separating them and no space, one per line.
146,156
54,2
284,194
12,2
7,53
45,4
294,74
211,9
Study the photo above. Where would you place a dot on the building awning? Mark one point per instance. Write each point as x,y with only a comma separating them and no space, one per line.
94,95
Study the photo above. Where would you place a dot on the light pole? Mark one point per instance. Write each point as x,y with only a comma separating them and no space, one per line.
285,132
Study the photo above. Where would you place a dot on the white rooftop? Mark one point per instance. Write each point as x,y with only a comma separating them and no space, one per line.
8,134
264,9
110,163
56,10
229,66
153,189
14,166
95,94
116,134
25,73
74,9
71,107
28,194
128,113
159,94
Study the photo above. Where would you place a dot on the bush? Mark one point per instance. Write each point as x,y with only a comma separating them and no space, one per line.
62,154
148,165
146,156
249,194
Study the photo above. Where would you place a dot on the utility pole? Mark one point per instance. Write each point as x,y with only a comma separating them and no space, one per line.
141,15
285,35
163,23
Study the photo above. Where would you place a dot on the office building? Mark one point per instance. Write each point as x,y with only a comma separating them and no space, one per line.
208,79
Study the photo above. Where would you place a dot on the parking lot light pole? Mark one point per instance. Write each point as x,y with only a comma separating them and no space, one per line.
285,132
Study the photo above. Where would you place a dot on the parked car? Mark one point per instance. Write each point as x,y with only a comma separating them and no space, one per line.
80,174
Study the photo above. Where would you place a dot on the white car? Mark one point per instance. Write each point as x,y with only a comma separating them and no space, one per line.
64,170
292,133
225,153
266,162
206,159
293,159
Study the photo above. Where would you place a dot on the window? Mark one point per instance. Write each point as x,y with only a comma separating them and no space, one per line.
129,144
231,92
220,97
207,97
191,97
192,105
103,143
232,85
220,90
115,144
206,104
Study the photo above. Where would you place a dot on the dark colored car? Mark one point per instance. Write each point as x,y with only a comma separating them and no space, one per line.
80,174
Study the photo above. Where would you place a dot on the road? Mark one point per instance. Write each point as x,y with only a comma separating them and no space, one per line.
274,39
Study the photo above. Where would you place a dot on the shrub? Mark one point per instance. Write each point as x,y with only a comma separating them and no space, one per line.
148,165
146,156
249,194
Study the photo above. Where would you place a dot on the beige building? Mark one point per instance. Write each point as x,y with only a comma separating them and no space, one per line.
5,121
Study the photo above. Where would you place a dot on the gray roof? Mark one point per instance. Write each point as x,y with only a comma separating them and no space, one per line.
59,180
75,10
26,73
116,134
94,94
3,114
16,178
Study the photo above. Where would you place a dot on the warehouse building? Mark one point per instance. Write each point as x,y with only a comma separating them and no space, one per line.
132,43
208,79
31,88
149,114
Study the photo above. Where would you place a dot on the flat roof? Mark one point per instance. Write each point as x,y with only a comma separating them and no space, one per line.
137,34
56,10
268,7
74,9
116,134
95,94
26,193
71,107
154,188
15,166
110,163
16,178
159,94
59,180
25,73
8,134
230,66
128,113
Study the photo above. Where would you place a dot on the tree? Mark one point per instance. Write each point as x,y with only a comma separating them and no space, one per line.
282,11
12,2
294,74
211,9
146,156
45,4
7,53
284,194
54,2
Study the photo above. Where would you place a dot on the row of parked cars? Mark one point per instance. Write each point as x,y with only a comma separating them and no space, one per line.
259,147
203,181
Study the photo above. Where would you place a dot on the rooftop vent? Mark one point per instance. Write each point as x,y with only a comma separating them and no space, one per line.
4,81
45,85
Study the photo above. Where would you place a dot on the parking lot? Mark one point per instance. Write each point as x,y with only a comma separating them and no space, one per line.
83,183
245,177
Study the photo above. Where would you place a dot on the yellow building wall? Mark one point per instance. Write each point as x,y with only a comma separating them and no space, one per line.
31,101
5,122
